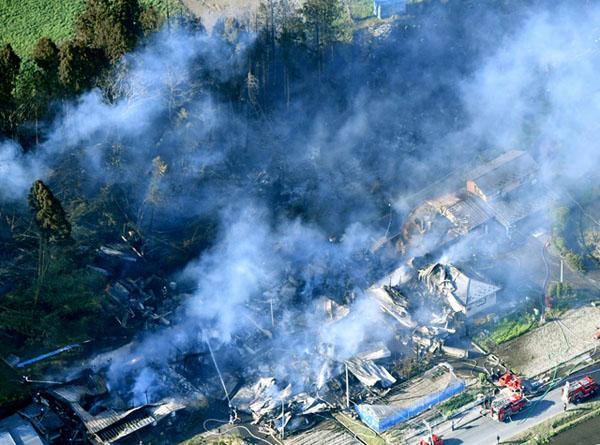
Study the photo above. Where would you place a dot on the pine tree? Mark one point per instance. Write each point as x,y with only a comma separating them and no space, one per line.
53,226
327,21
10,64
32,93
50,216
45,54
112,26
78,65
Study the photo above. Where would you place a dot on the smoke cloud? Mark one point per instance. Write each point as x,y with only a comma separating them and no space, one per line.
302,191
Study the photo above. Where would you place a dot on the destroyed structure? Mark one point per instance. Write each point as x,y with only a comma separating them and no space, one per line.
506,191
84,411
425,304
105,419
462,293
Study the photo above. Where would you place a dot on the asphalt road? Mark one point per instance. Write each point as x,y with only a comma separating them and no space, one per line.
484,430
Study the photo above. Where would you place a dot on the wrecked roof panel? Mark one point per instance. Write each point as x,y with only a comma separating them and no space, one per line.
504,173
16,430
369,373
459,289
328,432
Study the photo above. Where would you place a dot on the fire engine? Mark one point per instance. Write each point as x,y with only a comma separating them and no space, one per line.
506,406
511,381
575,392
431,440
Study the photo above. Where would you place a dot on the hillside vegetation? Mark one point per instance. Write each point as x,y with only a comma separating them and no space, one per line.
23,22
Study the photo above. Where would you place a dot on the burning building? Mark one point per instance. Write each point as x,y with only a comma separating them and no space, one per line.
95,415
509,188
461,292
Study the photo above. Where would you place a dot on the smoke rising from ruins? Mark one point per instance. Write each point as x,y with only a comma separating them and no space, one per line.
536,89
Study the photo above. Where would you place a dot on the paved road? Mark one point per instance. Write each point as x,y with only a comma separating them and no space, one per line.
483,430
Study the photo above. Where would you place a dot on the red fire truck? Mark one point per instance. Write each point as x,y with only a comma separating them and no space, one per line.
575,392
511,381
431,440
505,406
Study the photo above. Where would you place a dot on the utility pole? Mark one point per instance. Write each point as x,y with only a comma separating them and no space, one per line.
562,271
282,420
347,387
430,431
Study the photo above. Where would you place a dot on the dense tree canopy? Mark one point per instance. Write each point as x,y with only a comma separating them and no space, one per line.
111,26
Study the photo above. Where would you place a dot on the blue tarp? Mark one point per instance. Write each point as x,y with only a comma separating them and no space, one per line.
383,417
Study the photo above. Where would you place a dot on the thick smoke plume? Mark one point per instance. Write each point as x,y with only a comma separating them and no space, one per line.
302,192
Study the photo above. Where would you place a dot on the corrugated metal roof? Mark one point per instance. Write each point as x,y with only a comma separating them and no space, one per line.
504,173
15,430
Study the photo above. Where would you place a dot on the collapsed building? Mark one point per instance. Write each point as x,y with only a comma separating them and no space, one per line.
506,192
463,293
83,410
368,378
89,404
510,188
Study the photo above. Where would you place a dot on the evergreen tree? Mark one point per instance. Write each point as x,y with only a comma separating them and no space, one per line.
326,22
78,65
32,93
50,216
112,26
10,64
151,20
45,54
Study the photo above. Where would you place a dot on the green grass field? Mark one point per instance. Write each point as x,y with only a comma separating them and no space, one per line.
23,22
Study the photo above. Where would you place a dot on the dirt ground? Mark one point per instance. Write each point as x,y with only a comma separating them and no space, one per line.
553,343
211,10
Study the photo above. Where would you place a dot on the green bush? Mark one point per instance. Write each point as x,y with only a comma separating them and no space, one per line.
452,405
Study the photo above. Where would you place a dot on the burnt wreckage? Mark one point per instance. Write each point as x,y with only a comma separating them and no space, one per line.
449,294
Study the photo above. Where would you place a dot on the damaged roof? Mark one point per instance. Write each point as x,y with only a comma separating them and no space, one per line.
464,212
15,430
459,289
112,423
504,173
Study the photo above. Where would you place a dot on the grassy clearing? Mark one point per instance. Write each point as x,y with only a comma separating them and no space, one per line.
507,329
203,439
23,22
365,434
